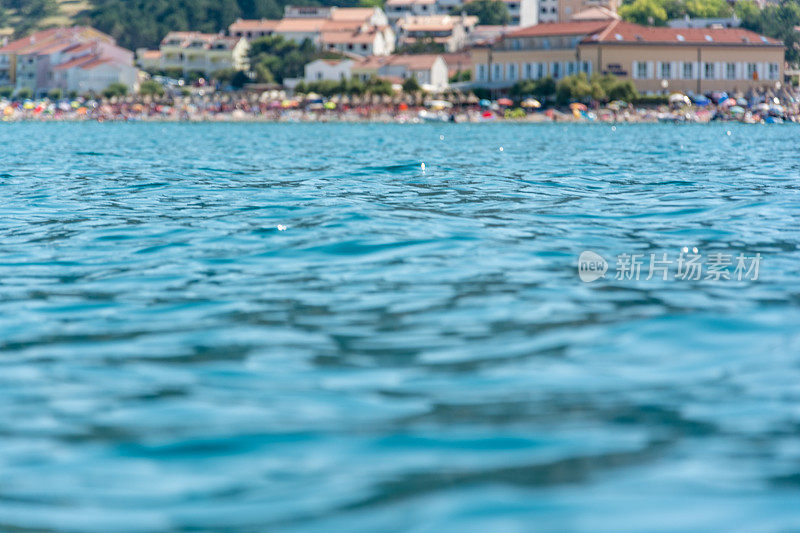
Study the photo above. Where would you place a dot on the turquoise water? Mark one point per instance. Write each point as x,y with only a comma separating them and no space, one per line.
412,350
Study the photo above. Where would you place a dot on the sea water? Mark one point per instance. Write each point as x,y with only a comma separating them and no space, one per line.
331,327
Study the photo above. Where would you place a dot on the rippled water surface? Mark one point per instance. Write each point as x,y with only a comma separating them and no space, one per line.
410,351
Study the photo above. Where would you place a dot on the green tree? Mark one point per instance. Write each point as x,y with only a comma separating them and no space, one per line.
622,90
545,87
379,86
648,12
24,93
151,88
749,13
6,91
708,8
115,89
572,88
411,85
274,58
492,12
55,94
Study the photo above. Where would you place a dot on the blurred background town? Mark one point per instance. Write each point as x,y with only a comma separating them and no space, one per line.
441,59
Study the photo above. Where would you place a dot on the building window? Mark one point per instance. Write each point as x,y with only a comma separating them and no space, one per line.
665,70
751,71
687,70
512,72
730,71
641,70
774,71
481,74
497,75
528,71
708,71
556,70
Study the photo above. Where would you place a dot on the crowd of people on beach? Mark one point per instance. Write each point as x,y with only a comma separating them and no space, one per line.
768,106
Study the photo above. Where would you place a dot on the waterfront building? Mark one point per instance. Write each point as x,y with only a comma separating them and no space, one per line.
362,31
523,12
192,51
565,10
451,31
483,33
656,59
79,58
328,70
430,70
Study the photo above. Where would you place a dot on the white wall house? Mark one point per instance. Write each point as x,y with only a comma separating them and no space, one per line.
96,75
365,41
430,70
523,12
328,70
359,30
451,31
40,61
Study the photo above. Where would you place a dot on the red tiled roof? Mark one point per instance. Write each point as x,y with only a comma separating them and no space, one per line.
560,28
414,61
254,25
76,62
56,46
96,63
339,37
76,48
360,14
39,36
44,38
621,32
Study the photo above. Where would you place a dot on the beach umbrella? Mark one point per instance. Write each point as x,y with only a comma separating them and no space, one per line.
506,102
776,110
577,106
727,102
762,107
439,104
737,110
403,106
329,105
484,102
531,103
678,98
718,96
741,101
701,100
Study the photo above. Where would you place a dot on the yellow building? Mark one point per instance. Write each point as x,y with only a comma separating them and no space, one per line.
654,58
